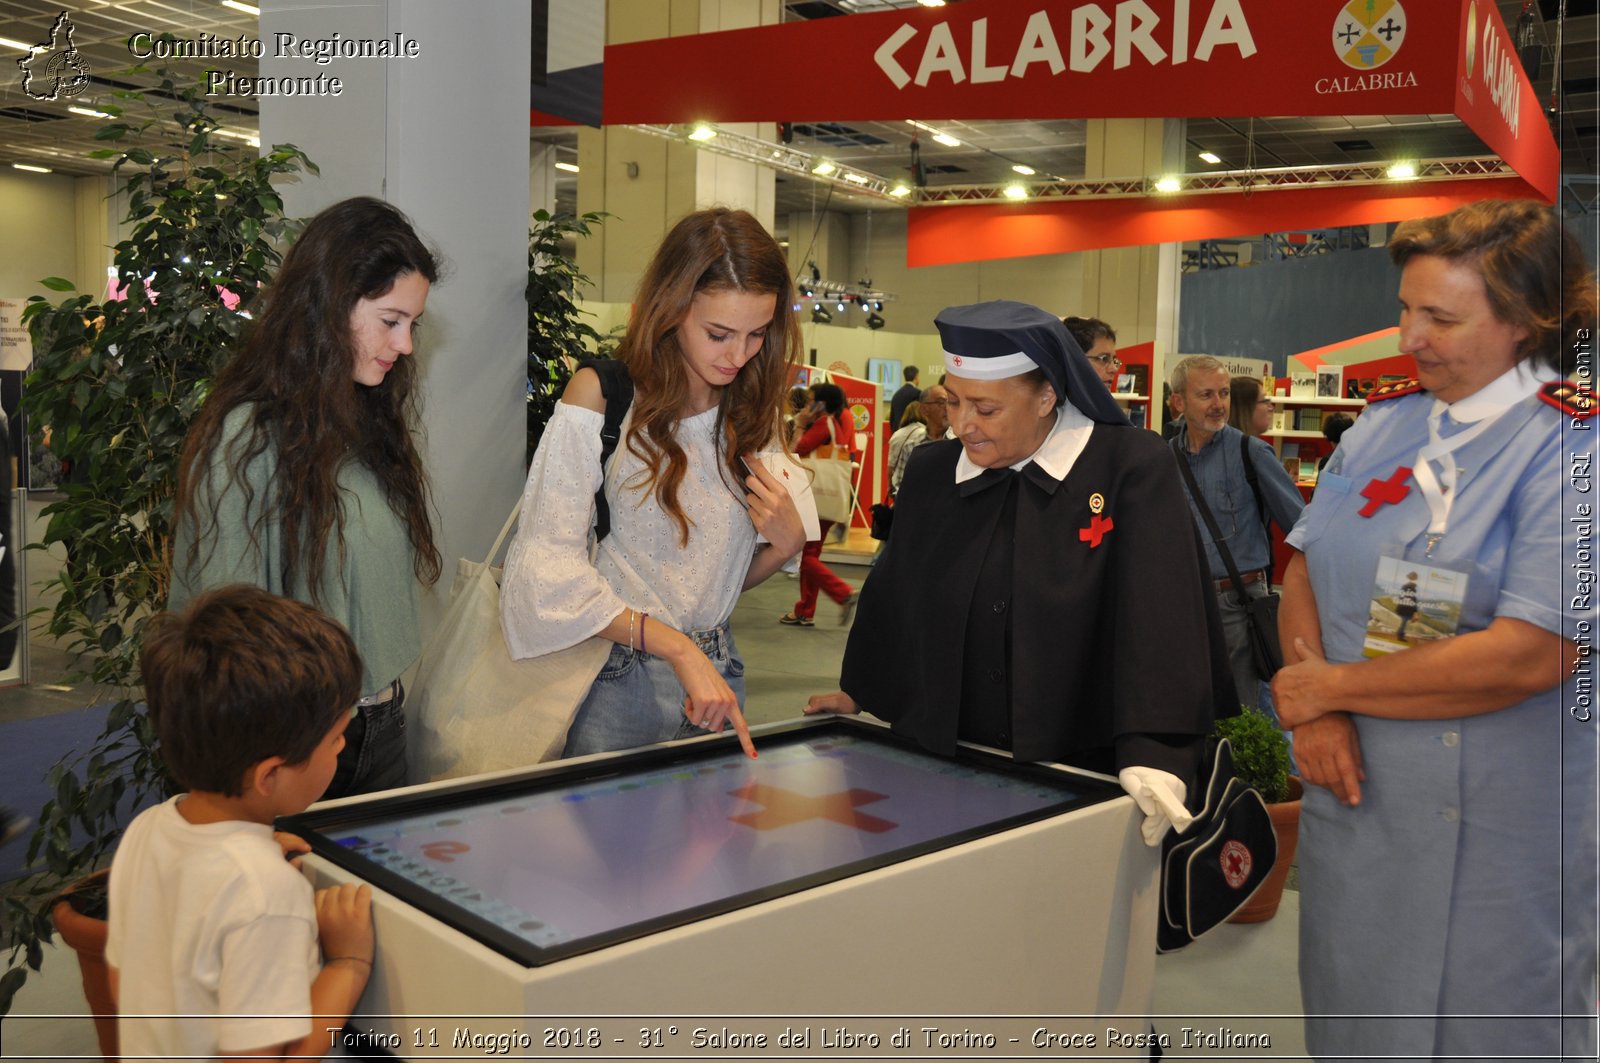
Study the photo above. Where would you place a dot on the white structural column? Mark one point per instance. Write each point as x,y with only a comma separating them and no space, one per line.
1135,289
443,136
646,183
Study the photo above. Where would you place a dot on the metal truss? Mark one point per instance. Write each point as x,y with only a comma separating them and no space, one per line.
1220,181
783,158
1273,247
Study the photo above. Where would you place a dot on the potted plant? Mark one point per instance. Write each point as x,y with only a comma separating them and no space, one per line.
118,382
1261,760
557,337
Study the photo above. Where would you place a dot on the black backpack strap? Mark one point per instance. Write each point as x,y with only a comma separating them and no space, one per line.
617,387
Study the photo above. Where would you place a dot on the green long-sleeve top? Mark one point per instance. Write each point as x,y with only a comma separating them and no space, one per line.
374,594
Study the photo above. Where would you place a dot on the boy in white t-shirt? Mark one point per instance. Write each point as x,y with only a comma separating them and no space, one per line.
214,935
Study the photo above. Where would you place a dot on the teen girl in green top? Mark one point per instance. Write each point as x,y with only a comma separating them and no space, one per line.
300,474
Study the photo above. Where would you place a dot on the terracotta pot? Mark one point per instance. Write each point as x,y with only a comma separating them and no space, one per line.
87,937
1263,903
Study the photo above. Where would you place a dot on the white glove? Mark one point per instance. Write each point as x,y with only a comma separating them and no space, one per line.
1159,795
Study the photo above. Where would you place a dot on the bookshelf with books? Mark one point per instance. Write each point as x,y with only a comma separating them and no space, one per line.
1133,383
1296,431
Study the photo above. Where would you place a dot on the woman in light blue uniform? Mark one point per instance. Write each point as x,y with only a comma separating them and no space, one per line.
1448,847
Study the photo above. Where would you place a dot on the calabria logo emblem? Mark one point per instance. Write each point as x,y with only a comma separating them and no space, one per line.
64,73
1368,33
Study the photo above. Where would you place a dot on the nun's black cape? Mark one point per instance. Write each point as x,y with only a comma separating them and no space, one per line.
1114,654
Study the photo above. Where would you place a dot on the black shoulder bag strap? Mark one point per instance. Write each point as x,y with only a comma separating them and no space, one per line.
1211,522
1261,503
617,388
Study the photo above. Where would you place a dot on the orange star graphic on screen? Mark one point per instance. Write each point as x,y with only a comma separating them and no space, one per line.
785,807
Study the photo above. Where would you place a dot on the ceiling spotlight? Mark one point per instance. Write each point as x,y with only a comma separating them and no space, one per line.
1026,171
899,190
931,3
1211,157
820,316
1168,184
874,322
947,140
841,306
823,168
877,304
702,132
1016,191
1402,171
856,178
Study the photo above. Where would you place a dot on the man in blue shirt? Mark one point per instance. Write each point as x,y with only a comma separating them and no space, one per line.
1215,452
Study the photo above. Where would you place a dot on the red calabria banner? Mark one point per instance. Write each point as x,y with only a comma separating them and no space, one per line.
1055,59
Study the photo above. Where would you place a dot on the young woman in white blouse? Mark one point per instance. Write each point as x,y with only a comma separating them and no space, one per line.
708,350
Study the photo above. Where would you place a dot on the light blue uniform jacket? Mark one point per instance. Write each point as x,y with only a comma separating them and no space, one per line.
1464,882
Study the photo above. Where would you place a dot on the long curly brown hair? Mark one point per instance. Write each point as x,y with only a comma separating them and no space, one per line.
710,250
295,372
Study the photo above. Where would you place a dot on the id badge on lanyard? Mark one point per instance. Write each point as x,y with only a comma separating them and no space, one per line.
1416,601
1412,602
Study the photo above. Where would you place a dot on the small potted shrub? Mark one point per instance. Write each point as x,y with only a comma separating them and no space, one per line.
1261,759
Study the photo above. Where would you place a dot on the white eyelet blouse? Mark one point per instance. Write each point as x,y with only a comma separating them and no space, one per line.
553,596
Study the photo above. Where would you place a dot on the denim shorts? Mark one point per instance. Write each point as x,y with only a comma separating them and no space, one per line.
637,699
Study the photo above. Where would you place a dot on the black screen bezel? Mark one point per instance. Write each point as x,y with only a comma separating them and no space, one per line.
316,826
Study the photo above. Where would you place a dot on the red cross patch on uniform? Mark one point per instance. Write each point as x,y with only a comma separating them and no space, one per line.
1394,390
1569,398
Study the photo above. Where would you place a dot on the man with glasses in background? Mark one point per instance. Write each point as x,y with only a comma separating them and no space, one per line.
936,421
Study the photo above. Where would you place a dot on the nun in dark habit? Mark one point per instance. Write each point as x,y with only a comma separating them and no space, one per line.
1044,590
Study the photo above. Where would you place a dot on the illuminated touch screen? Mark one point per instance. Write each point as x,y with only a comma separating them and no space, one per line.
567,865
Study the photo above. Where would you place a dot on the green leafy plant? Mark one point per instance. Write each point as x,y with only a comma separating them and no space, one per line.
118,382
557,334
1260,752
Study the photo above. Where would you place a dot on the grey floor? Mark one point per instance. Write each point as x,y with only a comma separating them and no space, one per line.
1240,978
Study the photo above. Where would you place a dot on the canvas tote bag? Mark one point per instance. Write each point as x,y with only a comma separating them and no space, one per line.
475,708
830,478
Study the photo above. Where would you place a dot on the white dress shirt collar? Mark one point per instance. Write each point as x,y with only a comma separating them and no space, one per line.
1501,393
1056,455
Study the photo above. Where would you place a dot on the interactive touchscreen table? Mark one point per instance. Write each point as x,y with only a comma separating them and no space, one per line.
844,871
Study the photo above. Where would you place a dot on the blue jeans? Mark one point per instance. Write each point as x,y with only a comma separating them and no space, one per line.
374,753
637,700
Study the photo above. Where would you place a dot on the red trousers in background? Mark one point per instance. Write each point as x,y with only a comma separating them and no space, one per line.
815,576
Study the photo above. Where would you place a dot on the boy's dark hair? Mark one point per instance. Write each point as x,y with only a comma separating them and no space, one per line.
241,675
910,374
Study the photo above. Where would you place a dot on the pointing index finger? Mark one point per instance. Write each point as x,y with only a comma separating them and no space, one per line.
743,730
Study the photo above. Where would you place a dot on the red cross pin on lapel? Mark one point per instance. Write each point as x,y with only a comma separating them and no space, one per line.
1096,531
1098,525
1379,493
